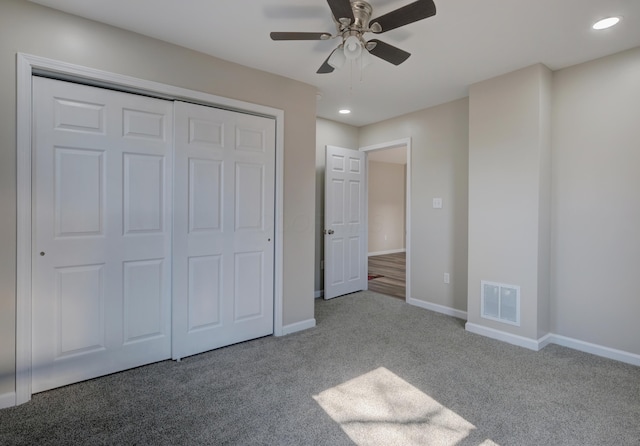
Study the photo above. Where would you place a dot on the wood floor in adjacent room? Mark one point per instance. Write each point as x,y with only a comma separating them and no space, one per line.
391,268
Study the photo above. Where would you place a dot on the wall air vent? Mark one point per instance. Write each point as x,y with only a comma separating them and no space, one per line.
500,302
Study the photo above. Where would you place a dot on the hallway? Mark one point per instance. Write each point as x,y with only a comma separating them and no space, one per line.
390,269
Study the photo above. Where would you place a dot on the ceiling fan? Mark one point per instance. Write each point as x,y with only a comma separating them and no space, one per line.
353,20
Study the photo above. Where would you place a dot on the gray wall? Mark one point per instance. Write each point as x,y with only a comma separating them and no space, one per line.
591,199
439,168
29,28
596,202
509,146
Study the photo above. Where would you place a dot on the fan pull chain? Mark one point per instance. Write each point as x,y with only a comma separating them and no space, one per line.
351,78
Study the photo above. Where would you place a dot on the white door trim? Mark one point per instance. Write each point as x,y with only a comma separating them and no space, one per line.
404,142
26,66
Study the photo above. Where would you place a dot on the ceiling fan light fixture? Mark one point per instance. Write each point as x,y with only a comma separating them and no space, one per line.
366,59
606,23
337,58
352,47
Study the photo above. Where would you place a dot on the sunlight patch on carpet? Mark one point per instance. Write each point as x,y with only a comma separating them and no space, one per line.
380,408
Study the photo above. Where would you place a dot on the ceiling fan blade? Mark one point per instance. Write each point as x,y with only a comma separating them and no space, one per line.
299,36
410,13
341,9
325,67
388,52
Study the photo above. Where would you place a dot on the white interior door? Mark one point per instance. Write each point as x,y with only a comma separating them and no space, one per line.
223,228
345,266
101,232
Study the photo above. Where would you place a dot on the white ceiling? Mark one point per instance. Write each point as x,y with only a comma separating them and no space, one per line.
466,42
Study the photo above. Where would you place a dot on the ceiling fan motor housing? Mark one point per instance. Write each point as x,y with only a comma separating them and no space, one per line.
362,13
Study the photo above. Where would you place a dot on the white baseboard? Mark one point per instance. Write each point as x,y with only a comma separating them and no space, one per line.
594,349
575,344
503,336
7,400
545,340
390,251
298,326
319,293
438,308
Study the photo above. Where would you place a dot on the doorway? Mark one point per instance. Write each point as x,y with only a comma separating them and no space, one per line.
388,212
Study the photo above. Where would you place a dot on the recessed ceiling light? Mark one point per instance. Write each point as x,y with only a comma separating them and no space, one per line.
606,23
344,111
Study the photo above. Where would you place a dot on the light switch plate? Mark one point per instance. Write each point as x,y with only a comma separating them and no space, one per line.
437,203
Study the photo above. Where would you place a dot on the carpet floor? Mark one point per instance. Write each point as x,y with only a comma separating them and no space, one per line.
374,371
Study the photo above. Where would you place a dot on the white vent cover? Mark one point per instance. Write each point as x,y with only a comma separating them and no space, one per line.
500,302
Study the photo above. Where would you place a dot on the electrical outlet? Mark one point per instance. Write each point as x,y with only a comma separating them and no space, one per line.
446,278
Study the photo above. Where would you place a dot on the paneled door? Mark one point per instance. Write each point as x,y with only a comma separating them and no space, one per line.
102,232
223,240
345,262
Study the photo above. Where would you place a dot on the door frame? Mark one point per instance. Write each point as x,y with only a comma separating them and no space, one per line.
404,142
27,65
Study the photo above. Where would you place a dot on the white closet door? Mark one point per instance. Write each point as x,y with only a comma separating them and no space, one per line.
223,240
102,232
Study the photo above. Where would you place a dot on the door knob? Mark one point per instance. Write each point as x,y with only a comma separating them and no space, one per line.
330,231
